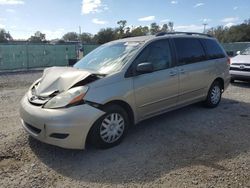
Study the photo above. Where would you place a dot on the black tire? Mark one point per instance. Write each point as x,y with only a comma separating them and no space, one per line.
232,81
212,101
97,139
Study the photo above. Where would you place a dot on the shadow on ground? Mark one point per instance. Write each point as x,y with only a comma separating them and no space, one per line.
241,84
186,137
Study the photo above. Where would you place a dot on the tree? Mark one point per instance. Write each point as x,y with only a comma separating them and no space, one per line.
139,31
154,28
121,29
86,38
171,26
236,33
105,35
127,32
5,36
218,33
71,36
164,28
37,37
145,30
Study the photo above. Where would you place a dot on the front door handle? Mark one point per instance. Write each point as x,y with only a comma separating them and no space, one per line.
173,73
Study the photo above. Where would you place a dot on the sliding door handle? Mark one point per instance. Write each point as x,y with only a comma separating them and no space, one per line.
182,71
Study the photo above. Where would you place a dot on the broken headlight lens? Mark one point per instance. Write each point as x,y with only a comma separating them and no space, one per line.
70,97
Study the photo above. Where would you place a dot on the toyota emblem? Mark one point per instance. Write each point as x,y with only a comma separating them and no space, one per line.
242,66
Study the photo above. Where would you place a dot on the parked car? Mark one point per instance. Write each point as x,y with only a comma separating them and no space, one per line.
240,67
122,83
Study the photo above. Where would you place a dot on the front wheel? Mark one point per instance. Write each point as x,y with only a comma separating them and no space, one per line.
109,129
214,95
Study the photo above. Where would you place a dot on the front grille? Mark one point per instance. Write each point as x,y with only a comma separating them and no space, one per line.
32,128
240,69
238,64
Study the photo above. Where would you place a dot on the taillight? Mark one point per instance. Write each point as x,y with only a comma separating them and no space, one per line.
228,61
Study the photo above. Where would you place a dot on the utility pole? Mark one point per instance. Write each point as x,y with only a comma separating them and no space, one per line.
80,30
79,48
204,24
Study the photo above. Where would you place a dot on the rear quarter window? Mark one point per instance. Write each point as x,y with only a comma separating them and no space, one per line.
214,51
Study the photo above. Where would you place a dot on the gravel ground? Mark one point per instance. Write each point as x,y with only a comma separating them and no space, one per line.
189,147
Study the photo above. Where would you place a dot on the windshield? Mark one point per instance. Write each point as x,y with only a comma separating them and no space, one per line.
108,58
246,51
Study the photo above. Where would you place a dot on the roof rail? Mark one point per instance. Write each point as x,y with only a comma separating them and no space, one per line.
185,33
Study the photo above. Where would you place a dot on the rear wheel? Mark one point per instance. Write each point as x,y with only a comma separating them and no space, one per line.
110,129
214,95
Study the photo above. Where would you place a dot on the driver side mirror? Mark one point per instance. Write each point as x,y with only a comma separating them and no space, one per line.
146,67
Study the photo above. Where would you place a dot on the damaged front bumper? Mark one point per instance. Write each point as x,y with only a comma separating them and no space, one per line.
63,127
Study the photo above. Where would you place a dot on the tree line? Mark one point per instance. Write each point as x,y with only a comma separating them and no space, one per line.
236,33
122,31
103,36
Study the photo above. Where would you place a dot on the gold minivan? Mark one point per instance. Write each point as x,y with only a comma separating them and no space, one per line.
122,83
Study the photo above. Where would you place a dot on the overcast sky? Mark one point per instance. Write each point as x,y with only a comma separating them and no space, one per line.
57,17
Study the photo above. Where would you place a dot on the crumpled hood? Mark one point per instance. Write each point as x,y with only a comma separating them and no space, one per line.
241,59
59,79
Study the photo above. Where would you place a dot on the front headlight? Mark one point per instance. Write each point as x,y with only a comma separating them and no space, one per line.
70,97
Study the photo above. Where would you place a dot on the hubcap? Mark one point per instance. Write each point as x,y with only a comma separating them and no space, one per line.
215,94
112,128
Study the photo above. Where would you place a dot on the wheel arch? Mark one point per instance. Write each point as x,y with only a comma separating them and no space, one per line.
123,105
221,81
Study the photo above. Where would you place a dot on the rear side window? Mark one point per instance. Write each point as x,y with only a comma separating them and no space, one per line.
214,51
189,50
158,53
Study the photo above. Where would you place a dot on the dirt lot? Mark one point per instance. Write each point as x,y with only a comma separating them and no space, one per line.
190,147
